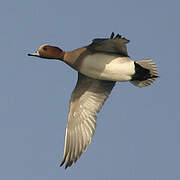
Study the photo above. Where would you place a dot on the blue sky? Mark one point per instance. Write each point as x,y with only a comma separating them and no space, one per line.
137,135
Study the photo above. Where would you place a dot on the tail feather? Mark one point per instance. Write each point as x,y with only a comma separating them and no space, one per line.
146,73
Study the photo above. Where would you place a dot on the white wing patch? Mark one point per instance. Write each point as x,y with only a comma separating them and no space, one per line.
108,67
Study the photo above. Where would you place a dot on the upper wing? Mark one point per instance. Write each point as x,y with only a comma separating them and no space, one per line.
86,101
114,44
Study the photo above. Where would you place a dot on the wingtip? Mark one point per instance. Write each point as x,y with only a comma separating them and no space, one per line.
112,35
62,162
66,166
118,36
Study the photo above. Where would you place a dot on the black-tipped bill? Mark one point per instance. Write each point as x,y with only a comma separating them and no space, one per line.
34,54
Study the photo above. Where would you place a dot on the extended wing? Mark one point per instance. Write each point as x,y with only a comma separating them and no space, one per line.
86,101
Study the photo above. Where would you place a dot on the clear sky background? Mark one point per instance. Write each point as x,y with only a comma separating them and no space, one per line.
137,135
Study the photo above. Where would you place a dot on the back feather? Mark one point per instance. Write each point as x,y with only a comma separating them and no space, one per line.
114,44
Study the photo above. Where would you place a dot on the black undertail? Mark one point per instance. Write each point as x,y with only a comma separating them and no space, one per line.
141,73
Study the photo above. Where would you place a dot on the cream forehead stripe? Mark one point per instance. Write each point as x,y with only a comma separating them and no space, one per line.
43,45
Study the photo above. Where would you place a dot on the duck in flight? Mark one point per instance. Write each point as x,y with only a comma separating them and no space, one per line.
99,65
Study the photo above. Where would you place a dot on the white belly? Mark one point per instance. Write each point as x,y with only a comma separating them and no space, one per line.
108,67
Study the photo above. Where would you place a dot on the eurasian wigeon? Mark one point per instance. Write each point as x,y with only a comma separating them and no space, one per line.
99,66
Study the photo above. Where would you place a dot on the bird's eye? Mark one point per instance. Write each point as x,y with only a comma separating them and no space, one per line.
45,48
